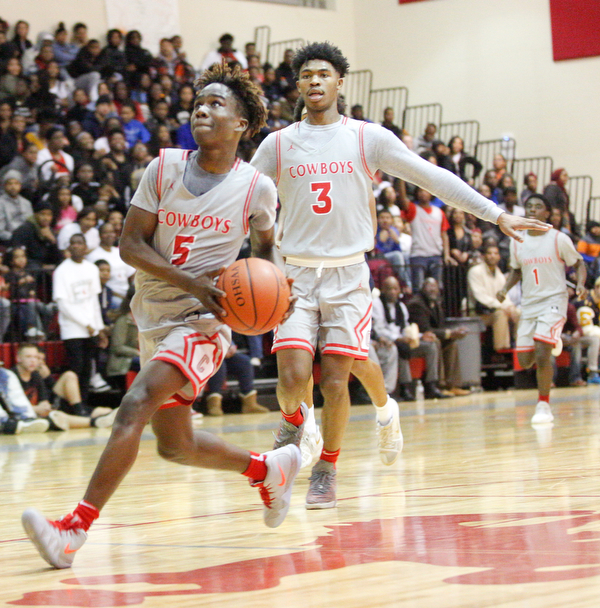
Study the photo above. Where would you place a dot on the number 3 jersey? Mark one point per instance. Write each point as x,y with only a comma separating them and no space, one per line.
542,260
195,233
324,175
323,190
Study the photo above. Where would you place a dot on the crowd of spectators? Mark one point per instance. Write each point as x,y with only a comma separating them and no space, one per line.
80,119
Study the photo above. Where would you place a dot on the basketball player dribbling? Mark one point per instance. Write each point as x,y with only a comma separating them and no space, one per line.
187,220
539,263
323,168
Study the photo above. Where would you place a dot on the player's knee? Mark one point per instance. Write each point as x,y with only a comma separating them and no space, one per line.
168,452
291,377
526,359
333,386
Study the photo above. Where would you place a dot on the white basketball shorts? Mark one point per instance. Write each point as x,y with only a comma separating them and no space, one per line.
333,311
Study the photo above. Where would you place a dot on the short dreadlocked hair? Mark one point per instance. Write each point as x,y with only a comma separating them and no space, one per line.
320,50
247,94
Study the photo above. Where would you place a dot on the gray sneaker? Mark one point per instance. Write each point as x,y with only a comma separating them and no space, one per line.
289,433
321,491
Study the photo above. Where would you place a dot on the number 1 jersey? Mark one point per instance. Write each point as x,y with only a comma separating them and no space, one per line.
542,260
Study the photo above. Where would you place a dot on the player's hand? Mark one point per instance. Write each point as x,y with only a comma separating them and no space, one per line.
501,296
509,224
292,300
204,288
450,261
581,291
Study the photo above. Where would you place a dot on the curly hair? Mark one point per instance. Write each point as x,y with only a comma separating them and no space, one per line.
246,93
320,50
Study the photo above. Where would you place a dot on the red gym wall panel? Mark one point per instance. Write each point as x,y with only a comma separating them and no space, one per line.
575,28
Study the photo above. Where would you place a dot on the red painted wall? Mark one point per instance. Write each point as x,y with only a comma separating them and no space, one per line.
575,27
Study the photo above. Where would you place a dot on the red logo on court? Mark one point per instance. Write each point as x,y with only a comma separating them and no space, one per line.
509,548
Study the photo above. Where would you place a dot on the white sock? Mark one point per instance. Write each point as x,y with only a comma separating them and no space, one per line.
310,424
384,413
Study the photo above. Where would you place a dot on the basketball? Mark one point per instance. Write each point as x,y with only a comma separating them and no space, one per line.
257,296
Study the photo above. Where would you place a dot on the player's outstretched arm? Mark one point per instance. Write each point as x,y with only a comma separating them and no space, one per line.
135,250
509,224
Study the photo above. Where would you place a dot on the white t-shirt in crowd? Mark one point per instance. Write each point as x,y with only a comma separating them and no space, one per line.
92,236
119,271
75,290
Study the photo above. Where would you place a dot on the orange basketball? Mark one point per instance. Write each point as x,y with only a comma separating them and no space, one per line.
257,295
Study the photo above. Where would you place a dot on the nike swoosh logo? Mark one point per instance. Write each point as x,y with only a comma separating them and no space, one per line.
282,475
69,550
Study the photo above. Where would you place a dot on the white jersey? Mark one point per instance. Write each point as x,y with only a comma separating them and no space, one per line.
324,175
542,261
197,234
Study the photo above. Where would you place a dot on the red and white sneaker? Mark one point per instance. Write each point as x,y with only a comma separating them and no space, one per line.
56,541
276,488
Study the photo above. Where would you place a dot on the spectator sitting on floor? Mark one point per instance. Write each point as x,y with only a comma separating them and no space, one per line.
16,413
36,235
485,281
425,309
42,396
239,365
14,208
393,345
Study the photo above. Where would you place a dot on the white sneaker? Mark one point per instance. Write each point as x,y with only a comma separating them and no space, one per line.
56,543
255,362
98,384
58,421
35,425
389,436
542,415
557,348
106,421
311,446
276,489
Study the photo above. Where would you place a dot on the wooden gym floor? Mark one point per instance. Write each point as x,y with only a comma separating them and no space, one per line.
480,510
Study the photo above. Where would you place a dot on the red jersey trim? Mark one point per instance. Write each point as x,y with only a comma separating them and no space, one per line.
159,175
246,221
361,147
278,156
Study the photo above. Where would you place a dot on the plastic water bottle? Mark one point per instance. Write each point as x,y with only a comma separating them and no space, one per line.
420,390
